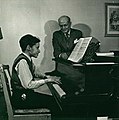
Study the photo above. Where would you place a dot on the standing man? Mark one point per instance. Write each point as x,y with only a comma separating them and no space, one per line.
64,41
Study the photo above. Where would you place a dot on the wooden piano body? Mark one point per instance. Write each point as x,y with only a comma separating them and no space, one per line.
98,99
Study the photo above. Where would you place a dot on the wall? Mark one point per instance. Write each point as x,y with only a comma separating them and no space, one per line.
39,17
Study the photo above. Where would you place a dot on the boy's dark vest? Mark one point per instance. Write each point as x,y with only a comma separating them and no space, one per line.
15,81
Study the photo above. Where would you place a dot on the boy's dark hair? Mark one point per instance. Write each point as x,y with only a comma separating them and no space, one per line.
28,40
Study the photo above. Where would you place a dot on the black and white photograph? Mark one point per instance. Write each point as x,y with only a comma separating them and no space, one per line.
59,59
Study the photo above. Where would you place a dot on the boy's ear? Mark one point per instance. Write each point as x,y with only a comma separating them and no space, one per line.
28,48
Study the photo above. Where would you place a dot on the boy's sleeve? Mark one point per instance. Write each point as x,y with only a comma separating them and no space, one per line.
26,77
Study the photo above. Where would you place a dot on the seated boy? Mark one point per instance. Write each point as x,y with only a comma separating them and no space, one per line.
25,78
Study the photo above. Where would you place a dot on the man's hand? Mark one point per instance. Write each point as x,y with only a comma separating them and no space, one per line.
76,41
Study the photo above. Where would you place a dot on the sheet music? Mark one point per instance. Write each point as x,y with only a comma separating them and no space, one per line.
80,49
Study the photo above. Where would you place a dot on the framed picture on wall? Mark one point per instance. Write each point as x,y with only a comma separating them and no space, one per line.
112,19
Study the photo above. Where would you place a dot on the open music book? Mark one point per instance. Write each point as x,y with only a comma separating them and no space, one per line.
80,49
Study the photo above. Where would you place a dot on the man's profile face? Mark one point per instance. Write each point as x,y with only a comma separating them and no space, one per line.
64,24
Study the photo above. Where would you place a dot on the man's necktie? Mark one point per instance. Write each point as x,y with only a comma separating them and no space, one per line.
67,36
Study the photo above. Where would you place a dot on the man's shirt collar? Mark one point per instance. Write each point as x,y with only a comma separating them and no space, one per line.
67,34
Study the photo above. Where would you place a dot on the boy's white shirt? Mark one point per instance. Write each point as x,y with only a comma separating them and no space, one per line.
25,75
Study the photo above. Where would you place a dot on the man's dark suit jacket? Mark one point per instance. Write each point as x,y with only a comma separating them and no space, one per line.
60,43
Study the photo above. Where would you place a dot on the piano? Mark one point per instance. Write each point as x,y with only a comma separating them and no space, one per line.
98,98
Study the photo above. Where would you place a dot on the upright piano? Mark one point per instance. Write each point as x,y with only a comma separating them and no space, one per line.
98,98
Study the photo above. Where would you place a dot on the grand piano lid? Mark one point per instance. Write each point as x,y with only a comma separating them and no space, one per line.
95,63
101,63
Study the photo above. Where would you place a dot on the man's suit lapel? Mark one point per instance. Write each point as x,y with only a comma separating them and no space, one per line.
63,40
71,38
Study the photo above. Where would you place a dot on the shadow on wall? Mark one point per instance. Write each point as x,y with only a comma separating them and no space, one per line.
86,30
47,64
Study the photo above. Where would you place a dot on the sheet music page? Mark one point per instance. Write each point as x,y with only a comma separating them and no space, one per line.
80,49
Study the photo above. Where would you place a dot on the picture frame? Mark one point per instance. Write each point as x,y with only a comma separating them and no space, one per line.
111,19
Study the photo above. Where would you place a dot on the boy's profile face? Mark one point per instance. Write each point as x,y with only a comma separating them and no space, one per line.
34,51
